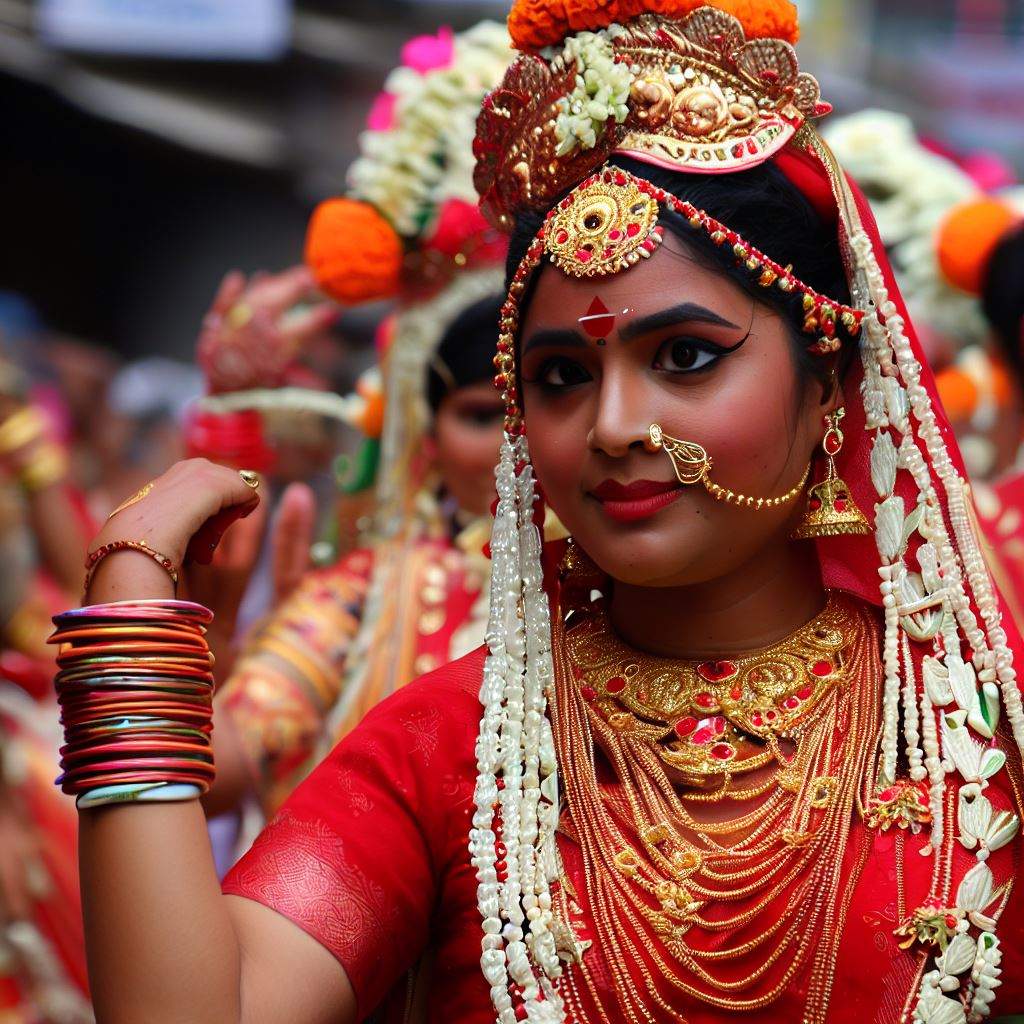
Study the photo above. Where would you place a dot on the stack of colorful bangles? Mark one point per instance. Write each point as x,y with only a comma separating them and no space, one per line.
135,688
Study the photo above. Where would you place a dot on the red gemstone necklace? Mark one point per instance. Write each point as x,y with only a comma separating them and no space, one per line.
712,719
728,908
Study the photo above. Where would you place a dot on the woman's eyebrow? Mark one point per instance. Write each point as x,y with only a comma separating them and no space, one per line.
554,338
685,312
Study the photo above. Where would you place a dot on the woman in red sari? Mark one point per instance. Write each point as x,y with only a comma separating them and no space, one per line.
757,777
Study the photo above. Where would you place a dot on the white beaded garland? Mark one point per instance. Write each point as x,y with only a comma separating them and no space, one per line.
515,744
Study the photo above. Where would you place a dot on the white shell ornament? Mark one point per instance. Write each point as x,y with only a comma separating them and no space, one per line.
883,465
889,527
981,825
935,1008
963,680
960,748
975,895
959,955
936,681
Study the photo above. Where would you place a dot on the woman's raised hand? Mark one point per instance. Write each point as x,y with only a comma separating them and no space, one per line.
181,517
257,326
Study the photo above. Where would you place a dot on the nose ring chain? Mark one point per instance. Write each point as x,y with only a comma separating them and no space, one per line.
693,465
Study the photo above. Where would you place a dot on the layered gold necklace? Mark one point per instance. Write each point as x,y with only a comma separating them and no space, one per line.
705,887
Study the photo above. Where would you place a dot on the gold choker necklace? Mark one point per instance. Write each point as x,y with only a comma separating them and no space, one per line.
714,718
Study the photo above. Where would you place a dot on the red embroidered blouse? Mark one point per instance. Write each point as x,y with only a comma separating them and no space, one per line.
370,857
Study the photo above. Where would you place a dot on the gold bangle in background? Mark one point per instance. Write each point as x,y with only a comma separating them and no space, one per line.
21,428
137,496
49,466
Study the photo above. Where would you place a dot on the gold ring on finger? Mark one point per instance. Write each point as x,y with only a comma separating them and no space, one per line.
250,477
239,315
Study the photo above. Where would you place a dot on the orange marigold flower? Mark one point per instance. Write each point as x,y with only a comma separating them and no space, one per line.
591,15
534,24
353,251
968,237
765,19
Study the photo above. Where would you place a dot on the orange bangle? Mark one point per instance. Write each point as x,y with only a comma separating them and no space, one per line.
97,556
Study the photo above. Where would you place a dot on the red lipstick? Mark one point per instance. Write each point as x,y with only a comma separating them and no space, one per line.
628,503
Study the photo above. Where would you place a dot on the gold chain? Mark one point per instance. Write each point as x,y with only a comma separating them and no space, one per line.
720,493
688,906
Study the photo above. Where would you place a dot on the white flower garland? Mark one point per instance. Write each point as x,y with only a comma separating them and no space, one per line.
408,171
601,90
953,570
912,190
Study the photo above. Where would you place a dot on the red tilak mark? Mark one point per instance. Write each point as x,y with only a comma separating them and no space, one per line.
599,321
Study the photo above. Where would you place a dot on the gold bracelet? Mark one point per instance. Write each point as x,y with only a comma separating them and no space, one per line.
21,428
48,466
97,556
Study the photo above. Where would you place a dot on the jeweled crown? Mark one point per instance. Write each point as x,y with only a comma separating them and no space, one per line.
691,95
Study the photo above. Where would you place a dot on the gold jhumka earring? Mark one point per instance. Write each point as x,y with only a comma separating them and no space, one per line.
831,510
693,465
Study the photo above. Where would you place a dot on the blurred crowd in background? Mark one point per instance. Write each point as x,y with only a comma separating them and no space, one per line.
153,147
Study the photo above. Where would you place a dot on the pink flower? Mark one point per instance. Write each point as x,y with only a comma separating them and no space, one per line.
425,53
382,114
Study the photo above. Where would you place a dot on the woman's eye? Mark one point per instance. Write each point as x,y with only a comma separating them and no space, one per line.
686,355
560,373
483,416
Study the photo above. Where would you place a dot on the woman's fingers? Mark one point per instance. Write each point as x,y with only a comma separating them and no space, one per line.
292,538
231,289
307,323
278,292
241,545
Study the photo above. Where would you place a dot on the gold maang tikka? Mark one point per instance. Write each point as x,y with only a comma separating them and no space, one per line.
609,223
831,510
693,465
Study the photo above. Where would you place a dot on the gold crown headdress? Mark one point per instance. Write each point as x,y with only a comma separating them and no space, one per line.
693,94
698,95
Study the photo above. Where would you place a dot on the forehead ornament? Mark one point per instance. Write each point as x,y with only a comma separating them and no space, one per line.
603,227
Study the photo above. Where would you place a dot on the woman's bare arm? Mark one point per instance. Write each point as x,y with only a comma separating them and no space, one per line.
164,945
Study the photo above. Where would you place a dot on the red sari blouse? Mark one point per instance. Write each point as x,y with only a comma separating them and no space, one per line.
370,857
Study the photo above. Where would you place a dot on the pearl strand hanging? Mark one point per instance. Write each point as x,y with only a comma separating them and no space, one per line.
539,770
514,743
483,851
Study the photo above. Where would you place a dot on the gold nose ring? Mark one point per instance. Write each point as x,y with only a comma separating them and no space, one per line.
693,465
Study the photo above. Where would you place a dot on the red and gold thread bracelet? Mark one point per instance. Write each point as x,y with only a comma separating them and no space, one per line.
95,557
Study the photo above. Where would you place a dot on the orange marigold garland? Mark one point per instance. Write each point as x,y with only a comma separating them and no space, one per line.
592,15
534,24
968,237
353,251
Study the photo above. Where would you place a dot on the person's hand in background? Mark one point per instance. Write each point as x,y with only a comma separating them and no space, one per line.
257,326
